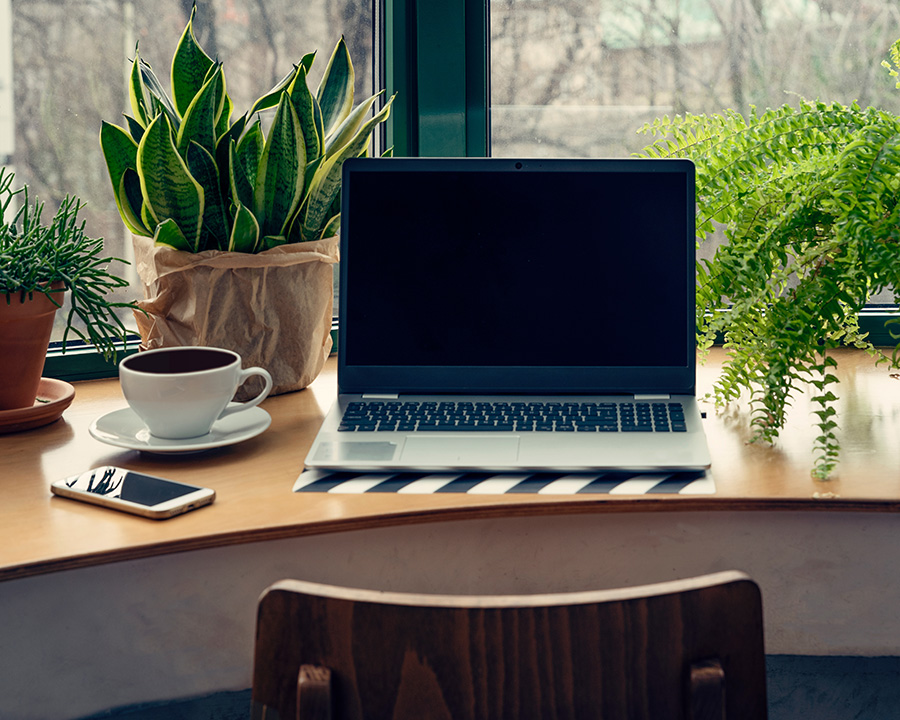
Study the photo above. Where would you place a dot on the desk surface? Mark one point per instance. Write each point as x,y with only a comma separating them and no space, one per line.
41,533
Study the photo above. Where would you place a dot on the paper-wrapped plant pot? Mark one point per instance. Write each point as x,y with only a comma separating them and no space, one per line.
273,308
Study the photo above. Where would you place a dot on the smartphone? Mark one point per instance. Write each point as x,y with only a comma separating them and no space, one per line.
133,492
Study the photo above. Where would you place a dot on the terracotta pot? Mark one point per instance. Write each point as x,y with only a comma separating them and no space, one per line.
25,329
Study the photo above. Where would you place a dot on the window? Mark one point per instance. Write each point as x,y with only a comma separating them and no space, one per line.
473,77
578,77
67,68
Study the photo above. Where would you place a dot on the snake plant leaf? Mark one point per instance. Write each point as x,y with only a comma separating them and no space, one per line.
135,128
129,191
190,65
249,149
243,164
272,98
244,232
146,216
306,62
120,153
335,92
311,169
310,120
327,181
168,233
137,93
320,125
202,165
224,121
159,100
332,227
225,116
202,115
223,152
239,185
279,180
168,188
271,241
348,129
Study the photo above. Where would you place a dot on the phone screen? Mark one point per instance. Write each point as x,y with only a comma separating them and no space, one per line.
134,487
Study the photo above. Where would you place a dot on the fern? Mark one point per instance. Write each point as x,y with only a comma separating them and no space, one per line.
808,199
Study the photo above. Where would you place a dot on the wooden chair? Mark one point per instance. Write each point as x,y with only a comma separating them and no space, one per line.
686,649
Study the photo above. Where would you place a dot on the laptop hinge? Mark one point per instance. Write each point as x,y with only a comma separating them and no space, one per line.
380,396
652,396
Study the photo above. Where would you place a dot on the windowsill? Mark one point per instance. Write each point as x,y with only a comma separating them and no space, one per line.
253,480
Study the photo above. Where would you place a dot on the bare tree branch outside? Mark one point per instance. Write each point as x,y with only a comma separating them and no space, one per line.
577,77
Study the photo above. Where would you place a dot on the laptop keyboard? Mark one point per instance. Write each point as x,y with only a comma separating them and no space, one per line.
406,416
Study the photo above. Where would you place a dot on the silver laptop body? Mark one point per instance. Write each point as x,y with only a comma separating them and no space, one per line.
515,315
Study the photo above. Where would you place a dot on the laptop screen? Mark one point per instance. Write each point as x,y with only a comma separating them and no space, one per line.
497,275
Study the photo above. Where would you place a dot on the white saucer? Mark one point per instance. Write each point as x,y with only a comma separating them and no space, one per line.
123,428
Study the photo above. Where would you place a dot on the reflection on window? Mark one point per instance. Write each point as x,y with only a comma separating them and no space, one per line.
70,59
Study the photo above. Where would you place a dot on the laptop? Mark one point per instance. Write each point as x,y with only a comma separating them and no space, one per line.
510,315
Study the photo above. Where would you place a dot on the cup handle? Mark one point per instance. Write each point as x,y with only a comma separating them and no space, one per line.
255,401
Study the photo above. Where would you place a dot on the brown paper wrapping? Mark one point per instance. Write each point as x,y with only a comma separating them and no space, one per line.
273,308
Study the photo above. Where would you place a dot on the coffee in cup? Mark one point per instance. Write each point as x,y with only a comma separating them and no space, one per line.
179,392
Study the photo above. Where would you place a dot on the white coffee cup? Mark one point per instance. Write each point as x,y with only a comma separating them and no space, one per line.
179,392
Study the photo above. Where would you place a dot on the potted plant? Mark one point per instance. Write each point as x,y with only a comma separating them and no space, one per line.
235,228
808,198
39,263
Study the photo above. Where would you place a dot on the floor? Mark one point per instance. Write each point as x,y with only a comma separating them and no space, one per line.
799,687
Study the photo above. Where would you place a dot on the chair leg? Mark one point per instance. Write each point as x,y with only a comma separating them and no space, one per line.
313,693
707,691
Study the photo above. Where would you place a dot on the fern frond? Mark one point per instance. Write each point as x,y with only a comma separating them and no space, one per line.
808,200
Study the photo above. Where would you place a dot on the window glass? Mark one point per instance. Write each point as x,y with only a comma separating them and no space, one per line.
578,77
70,59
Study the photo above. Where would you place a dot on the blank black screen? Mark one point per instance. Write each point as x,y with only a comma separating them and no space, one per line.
517,268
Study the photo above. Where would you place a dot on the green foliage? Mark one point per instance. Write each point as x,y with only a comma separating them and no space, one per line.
34,256
186,174
807,198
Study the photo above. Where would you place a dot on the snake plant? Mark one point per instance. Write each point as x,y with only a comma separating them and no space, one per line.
187,174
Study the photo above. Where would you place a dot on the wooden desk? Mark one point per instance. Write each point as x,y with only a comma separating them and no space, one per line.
40,533
149,610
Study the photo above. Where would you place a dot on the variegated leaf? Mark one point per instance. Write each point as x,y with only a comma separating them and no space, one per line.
169,190
190,65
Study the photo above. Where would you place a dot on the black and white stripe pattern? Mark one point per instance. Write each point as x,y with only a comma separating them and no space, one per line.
474,483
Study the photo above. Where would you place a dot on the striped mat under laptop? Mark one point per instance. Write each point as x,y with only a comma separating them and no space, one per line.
610,483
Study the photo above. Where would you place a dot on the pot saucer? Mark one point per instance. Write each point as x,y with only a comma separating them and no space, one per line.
53,397
123,428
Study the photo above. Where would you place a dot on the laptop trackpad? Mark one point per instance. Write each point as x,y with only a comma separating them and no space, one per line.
430,450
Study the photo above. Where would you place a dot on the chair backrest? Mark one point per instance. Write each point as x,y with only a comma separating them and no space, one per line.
686,649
